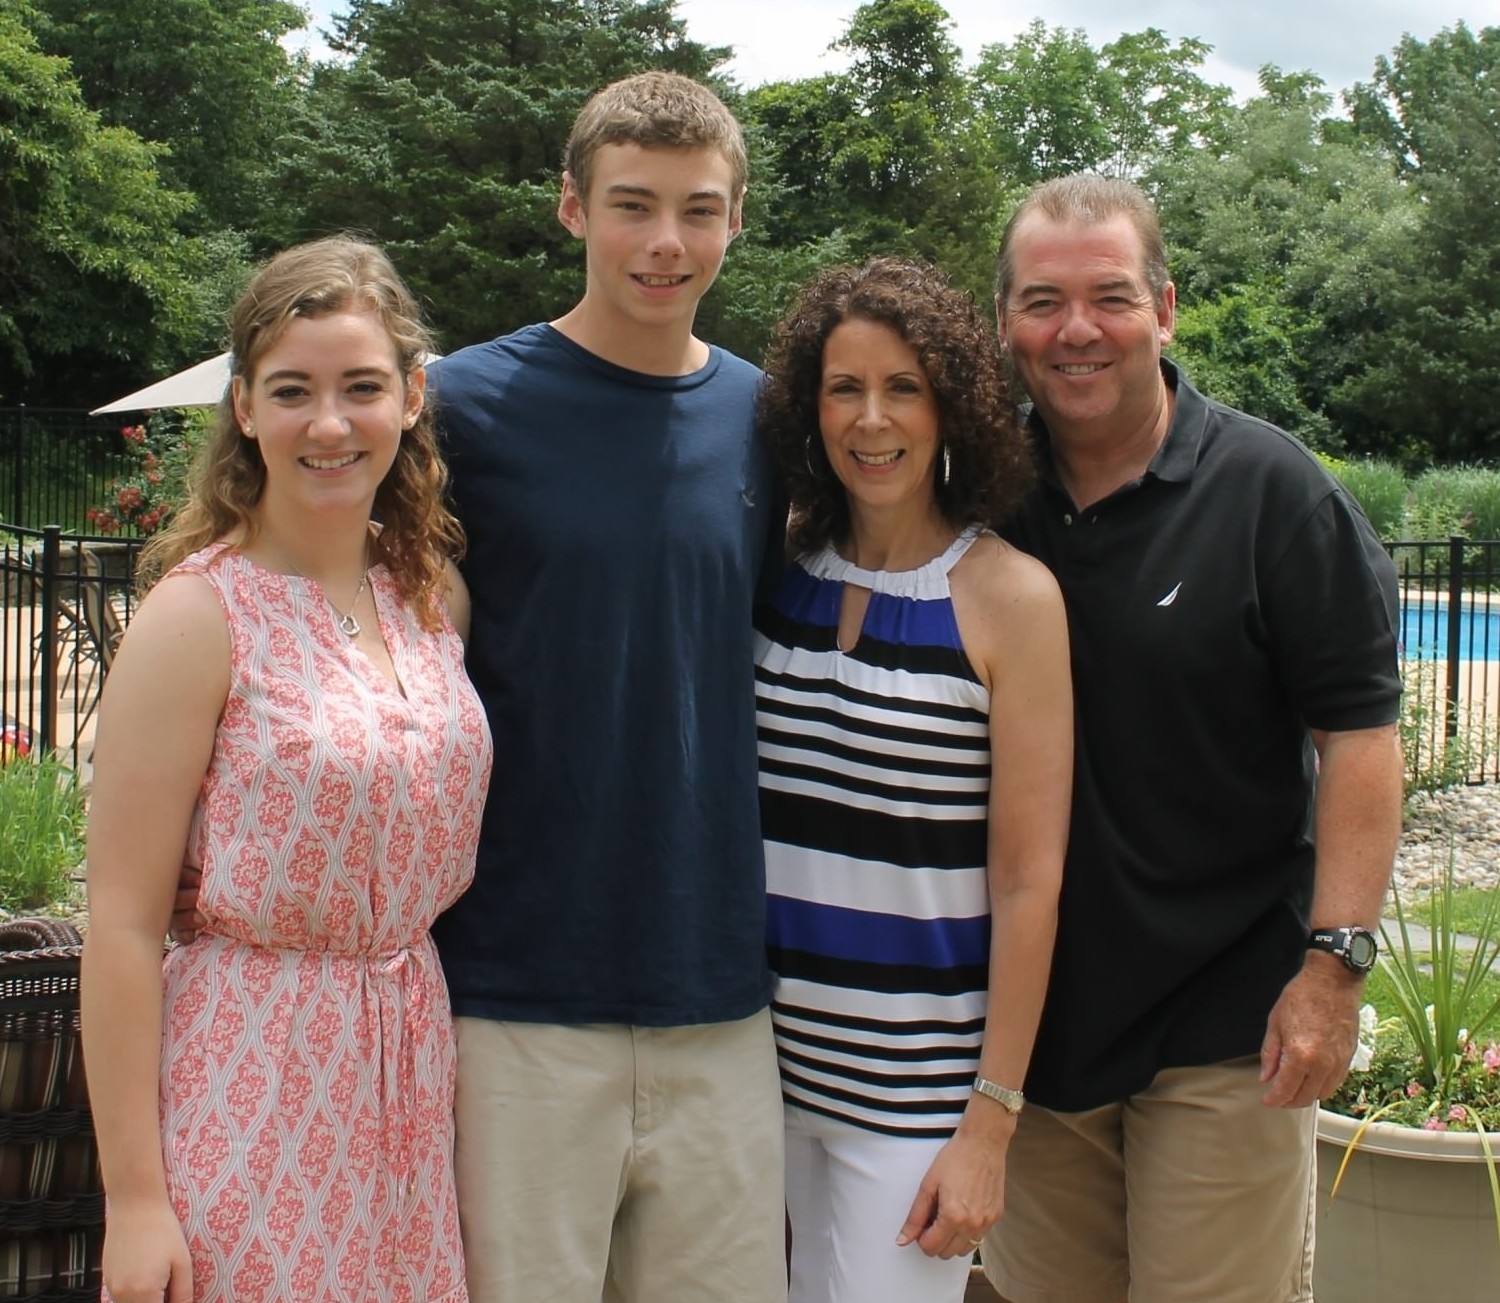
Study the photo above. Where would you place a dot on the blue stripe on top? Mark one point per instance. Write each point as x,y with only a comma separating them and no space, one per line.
870,938
891,617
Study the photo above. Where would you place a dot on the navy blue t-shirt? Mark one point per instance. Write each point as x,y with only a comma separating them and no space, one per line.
617,524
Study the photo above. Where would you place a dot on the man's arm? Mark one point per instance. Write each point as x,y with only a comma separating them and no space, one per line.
1311,1033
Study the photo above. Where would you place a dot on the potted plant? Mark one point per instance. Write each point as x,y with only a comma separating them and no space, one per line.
1409,1193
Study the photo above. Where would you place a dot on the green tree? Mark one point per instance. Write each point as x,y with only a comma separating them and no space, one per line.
1053,105
886,157
95,280
1243,348
1435,105
1276,248
794,130
443,138
208,80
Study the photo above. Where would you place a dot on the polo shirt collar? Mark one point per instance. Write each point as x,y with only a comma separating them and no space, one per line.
1179,452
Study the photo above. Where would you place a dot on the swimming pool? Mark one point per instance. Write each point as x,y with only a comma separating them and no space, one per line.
1424,630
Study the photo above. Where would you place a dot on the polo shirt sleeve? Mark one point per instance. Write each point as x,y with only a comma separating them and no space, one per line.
1329,602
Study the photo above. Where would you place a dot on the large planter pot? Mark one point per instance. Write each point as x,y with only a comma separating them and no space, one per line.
1414,1218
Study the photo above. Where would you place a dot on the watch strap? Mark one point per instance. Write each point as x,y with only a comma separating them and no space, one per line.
1339,942
1012,1101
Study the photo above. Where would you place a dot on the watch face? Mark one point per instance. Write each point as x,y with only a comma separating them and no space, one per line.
1361,950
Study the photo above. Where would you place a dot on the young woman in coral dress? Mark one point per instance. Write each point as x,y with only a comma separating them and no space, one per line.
289,712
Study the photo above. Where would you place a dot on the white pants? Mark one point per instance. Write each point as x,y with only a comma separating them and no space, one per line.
848,1192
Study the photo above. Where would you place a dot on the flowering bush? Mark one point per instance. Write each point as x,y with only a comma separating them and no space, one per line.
1433,1064
163,449
15,740
1389,1083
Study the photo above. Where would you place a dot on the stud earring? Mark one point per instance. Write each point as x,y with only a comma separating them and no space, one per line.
249,429
947,466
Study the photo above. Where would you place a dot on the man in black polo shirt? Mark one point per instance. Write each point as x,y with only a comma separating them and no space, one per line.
1232,618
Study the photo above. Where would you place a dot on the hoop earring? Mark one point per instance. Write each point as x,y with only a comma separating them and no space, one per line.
947,466
807,457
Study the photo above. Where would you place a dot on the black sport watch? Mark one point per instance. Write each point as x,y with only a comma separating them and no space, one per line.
1356,947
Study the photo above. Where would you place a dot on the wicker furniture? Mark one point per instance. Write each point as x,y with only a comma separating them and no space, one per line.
51,1201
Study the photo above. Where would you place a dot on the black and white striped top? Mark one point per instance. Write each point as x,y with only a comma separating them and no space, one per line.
874,784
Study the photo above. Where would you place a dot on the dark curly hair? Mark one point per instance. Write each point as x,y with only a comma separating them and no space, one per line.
992,465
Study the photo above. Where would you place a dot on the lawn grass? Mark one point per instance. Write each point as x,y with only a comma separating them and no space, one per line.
1470,906
1378,992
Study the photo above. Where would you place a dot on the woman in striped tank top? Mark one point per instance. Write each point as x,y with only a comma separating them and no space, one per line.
915,725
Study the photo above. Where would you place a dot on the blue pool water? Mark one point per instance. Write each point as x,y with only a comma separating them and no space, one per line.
1424,631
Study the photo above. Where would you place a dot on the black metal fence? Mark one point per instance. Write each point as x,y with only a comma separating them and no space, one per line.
65,600
1450,649
66,597
55,464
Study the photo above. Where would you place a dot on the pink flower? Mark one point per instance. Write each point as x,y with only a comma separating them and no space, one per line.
1434,1124
1457,1113
1413,1089
1492,1057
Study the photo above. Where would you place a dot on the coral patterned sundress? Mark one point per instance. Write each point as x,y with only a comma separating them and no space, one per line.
308,1050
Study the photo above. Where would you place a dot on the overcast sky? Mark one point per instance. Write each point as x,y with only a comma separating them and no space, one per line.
1336,39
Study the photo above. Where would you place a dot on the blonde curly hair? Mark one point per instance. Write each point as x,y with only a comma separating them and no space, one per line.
419,535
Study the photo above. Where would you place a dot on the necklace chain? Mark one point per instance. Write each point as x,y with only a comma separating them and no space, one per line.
348,625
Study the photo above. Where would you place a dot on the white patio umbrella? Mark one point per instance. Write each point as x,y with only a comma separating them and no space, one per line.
199,386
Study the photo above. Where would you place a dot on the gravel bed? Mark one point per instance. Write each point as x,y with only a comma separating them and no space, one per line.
1468,818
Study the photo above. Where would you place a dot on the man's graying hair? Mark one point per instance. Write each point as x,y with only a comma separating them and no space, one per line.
1091,200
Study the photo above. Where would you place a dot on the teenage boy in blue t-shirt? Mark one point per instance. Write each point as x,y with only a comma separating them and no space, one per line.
619,1115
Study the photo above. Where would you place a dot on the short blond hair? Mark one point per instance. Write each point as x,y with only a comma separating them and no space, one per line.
656,110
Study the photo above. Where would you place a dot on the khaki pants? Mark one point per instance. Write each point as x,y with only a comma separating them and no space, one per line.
622,1164
1190,1192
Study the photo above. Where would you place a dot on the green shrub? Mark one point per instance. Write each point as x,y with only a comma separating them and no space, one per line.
1433,760
1436,508
1380,488
41,832
1478,493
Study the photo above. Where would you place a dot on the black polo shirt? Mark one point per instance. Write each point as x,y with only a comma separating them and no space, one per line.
1220,606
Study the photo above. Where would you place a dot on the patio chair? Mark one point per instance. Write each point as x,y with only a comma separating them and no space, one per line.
99,629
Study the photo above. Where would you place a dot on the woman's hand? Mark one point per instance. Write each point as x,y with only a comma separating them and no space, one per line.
963,1193
146,1255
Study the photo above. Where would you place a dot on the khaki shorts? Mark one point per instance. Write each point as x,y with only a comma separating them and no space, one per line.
1190,1192
623,1164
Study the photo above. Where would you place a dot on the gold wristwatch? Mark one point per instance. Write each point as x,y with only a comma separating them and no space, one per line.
1012,1101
